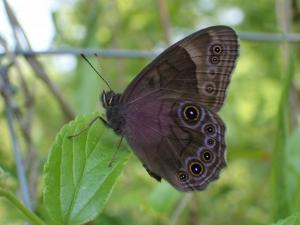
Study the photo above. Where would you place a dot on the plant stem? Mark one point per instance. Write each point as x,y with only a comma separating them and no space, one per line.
180,207
32,218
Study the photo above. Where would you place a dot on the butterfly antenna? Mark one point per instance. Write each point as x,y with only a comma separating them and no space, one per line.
105,81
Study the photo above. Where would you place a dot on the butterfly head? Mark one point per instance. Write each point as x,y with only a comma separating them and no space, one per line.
111,103
109,99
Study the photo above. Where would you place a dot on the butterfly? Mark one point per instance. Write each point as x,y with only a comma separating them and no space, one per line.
168,113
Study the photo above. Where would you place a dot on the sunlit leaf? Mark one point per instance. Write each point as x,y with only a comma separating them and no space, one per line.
87,85
293,169
78,180
291,220
164,198
281,206
3,176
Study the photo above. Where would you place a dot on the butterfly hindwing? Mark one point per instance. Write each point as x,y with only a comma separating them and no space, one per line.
168,144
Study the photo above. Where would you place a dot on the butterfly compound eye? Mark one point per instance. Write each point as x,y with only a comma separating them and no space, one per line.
191,113
196,168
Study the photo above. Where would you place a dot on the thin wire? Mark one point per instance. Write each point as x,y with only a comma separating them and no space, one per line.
269,37
114,53
105,81
6,91
88,52
19,164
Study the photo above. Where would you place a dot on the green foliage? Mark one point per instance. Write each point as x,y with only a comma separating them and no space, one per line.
293,170
3,177
291,220
281,206
261,183
78,178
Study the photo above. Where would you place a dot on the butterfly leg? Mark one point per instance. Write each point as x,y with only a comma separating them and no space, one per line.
89,125
152,174
115,153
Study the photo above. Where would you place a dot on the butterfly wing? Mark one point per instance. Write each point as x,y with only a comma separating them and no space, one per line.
194,72
187,153
198,67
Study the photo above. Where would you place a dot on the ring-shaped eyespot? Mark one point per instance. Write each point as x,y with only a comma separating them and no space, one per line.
196,168
209,129
212,72
207,156
216,49
214,59
210,142
190,113
182,176
210,88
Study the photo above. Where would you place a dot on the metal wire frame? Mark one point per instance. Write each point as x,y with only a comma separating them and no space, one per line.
116,53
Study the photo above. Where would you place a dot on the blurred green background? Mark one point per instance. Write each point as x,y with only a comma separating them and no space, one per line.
261,183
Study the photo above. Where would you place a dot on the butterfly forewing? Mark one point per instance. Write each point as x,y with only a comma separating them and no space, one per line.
199,67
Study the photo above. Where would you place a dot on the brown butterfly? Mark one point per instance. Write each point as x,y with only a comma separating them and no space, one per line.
168,113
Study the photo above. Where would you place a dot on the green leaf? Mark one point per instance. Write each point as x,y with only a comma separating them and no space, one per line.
87,86
2,173
164,198
293,170
30,216
281,207
78,180
291,220
3,177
